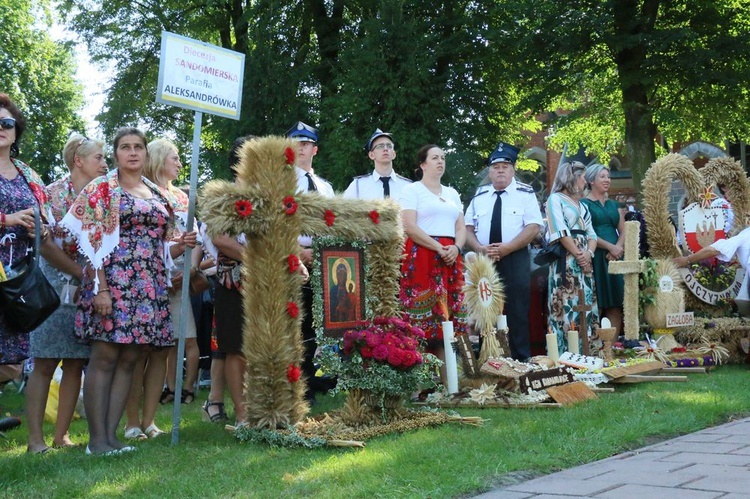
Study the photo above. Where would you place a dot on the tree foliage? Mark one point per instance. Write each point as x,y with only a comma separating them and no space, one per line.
629,69
414,68
38,74
463,74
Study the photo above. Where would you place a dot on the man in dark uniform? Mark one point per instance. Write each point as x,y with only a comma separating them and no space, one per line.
501,220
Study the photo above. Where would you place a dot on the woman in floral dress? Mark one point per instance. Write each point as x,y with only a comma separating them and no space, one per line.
20,190
55,338
163,166
569,222
122,223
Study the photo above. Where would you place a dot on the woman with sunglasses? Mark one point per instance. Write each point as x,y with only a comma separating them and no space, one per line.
20,190
55,339
569,222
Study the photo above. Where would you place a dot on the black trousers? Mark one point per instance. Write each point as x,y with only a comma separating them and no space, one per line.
515,271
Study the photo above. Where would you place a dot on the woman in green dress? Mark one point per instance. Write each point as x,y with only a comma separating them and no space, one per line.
609,223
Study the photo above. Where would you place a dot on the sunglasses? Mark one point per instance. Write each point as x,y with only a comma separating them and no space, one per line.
7,123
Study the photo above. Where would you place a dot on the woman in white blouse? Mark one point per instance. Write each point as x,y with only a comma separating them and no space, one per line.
432,270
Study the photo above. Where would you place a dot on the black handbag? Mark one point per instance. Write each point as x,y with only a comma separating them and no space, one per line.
27,299
549,253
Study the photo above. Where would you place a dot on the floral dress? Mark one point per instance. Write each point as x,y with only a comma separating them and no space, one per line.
15,195
569,218
137,278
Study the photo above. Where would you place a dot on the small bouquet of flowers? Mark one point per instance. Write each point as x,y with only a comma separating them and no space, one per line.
381,357
713,274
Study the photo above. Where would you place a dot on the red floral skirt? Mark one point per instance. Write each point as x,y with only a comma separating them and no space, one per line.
431,290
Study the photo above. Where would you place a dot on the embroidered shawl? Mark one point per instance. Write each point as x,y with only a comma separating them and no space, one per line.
37,189
94,217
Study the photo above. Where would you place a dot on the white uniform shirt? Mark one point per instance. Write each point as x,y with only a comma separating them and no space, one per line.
371,187
520,208
738,246
324,189
436,215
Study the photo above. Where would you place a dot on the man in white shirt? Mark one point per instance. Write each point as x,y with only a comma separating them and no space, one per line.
306,138
383,182
501,220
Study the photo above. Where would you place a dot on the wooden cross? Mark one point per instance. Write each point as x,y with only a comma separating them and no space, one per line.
582,308
263,204
630,266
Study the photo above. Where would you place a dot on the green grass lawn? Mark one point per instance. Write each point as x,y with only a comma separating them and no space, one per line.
446,461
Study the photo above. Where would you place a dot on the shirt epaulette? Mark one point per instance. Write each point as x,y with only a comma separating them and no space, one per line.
480,191
362,176
403,178
520,186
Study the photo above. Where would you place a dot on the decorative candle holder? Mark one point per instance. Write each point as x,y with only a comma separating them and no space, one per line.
608,335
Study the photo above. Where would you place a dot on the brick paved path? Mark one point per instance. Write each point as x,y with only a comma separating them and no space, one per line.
711,463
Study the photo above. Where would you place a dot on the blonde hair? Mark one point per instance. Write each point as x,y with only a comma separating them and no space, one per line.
158,150
567,175
78,145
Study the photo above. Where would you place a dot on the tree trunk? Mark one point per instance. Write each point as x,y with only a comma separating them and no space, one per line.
640,132
633,19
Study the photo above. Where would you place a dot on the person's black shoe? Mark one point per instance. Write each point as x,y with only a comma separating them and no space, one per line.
8,424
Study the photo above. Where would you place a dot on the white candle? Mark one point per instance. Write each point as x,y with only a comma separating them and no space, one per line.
606,324
502,322
451,370
573,341
552,351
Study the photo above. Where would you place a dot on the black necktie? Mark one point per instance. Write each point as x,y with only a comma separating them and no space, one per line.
386,187
310,184
496,225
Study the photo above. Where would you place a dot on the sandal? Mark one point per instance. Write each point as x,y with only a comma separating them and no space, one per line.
153,431
135,433
187,397
167,396
219,416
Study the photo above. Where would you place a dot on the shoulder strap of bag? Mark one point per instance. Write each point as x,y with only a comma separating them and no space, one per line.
37,234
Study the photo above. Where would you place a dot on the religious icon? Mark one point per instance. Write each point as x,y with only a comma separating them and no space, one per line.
342,288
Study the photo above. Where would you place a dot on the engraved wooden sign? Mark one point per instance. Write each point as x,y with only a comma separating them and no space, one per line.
541,380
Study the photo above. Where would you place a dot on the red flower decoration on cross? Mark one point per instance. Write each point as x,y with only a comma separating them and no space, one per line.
244,208
293,262
293,373
330,217
289,155
290,205
375,217
292,309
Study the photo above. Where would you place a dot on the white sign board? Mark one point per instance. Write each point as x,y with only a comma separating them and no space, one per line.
681,319
199,76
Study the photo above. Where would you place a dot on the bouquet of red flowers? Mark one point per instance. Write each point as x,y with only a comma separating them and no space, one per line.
387,340
382,356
